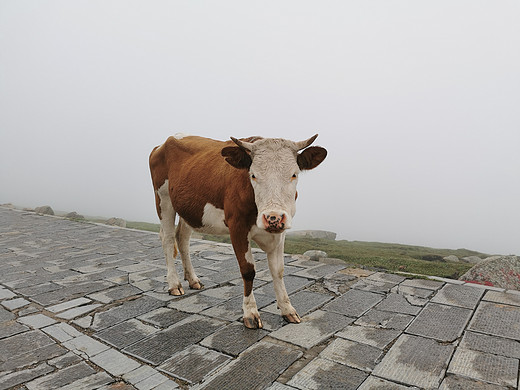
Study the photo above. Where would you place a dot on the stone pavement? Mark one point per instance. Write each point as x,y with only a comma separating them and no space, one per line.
84,306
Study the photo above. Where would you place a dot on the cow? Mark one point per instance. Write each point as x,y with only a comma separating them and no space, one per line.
245,188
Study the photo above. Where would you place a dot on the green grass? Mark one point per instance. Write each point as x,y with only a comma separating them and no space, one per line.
384,256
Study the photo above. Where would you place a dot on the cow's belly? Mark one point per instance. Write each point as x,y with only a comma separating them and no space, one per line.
213,221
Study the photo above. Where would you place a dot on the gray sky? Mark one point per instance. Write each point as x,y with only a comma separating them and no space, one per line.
416,102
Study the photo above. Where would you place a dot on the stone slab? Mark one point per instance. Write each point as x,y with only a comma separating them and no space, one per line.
65,360
422,283
6,294
373,285
36,321
376,337
326,374
34,356
397,303
23,343
78,311
16,303
160,346
11,380
232,310
361,356
415,361
193,364
453,382
114,362
486,367
292,285
68,305
374,383
85,346
195,303
314,329
62,332
507,298
440,322
303,301
491,344
383,319
61,377
126,333
269,360
354,303
94,381
115,293
497,320
6,315
319,271
10,328
386,278
458,295
233,339
163,317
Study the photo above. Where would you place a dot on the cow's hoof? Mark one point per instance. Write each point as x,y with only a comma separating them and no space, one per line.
293,318
197,286
253,323
176,291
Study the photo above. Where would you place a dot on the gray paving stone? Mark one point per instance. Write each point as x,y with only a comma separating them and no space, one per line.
163,317
114,362
375,337
11,380
195,303
415,361
62,332
160,346
374,383
383,319
31,357
458,295
397,303
497,320
151,382
354,303
85,346
65,360
193,364
115,293
269,360
224,292
292,285
126,333
233,339
232,310
361,356
68,305
303,301
127,310
279,386
387,278
6,315
93,381
10,328
61,377
491,344
16,303
271,321
314,328
23,343
36,321
373,285
139,374
319,271
422,283
453,382
440,322
168,385
78,311
486,367
6,294
326,374
507,298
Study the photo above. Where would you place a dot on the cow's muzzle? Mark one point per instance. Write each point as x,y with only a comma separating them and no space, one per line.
274,222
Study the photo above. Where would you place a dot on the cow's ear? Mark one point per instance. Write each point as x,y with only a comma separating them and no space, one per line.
311,157
237,157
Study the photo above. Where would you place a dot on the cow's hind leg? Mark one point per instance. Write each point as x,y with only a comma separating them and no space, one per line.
167,234
182,235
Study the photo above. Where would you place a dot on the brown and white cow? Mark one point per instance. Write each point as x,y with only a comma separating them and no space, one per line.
245,188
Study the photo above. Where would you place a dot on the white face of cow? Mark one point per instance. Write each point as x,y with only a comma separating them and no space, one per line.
274,166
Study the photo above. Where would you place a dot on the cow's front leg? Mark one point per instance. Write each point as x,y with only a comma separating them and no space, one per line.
273,245
242,247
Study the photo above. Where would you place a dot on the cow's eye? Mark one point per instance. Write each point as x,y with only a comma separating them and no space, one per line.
253,177
294,177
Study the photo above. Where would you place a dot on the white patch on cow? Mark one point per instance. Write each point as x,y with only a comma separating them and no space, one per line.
249,306
180,136
213,221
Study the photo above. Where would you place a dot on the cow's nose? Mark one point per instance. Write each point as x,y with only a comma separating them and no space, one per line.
274,222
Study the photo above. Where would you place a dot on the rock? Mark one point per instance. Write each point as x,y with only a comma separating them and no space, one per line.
321,234
451,258
472,259
116,222
74,215
498,271
315,255
44,210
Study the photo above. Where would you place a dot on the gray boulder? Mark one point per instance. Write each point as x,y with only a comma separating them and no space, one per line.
472,259
497,271
315,255
451,258
74,215
44,210
116,222
321,234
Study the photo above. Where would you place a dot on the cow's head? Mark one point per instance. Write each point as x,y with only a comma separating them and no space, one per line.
274,166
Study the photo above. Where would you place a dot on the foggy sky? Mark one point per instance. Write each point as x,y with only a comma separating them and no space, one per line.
416,102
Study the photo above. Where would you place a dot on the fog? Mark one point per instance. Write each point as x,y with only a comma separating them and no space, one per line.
417,104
